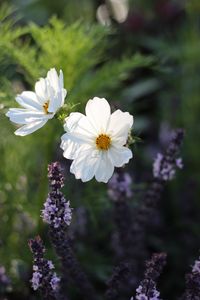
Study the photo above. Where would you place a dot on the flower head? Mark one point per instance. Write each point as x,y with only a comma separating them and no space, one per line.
38,106
96,141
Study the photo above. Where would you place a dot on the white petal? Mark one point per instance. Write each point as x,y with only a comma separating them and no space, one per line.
42,90
56,91
78,125
98,112
71,122
29,100
30,128
119,155
53,79
37,118
22,116
71,145
79,138
56,102
64,94
119,126
120,139
85,164
105,168
61,80
122,117
61,98
70,148
81,132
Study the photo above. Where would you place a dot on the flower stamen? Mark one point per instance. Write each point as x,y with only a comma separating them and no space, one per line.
103,142
46,106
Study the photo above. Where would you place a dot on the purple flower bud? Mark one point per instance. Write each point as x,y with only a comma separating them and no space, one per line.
55,282
50,264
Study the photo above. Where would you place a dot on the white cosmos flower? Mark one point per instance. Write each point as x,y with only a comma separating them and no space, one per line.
96,141
38,106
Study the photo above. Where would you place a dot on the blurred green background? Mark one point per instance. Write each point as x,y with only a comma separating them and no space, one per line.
141,55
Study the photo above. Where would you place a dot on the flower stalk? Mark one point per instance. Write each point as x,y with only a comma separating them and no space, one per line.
44,278
57,213
147,289
132,227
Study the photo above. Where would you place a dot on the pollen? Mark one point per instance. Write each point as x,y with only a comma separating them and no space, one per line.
46,106
103,142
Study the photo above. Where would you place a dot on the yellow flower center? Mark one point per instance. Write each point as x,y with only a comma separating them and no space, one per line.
46,106
103,142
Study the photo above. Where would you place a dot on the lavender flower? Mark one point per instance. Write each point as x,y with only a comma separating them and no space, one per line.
164,167
119,186
147,289
166,170
57,213
43,279
193,283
